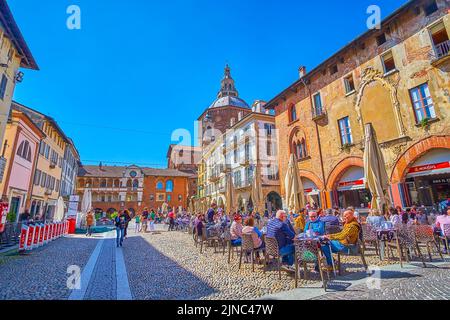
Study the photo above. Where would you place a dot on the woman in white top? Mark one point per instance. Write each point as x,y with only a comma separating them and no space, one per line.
395,218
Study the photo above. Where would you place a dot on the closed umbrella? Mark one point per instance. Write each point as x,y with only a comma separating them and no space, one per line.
293,186
86,205
60,206
256,189
375,174
229,193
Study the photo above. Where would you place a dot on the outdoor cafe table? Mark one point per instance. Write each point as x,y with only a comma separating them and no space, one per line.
319,241
384,236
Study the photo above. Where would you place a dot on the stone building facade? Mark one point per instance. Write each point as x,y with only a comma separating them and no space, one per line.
396,78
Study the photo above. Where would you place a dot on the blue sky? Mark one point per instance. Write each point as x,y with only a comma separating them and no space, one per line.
137,70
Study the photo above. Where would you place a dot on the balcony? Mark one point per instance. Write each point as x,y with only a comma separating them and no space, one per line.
441,52
318,114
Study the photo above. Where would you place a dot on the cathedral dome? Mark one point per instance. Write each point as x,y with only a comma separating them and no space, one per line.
229,101
228,96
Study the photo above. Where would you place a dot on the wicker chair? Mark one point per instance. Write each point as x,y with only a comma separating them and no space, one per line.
307,252
369,236
247,248
425,235
208,240
272,250
356,249
226,242
445,237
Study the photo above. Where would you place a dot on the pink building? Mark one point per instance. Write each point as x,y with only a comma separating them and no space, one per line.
21,147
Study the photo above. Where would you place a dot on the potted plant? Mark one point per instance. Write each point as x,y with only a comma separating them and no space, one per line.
424,123
11,217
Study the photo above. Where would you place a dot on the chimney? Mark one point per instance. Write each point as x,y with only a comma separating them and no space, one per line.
100,165
301,72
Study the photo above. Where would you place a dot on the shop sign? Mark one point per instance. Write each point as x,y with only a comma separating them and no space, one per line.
351,183
429,167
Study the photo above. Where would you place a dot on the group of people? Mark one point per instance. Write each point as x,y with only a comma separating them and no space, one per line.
285,226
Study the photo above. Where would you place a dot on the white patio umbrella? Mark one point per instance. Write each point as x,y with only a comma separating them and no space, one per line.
293,185
60,206
86,205
377,180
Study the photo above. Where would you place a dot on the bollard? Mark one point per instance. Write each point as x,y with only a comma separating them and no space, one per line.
46,230
37,231
41,235
30,237
23,239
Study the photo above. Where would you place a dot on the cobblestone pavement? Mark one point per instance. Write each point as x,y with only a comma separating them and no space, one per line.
167,265
42,275
430,283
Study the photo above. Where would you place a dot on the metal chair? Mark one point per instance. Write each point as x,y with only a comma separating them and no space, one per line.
247,248
425,235
226,242
369,237
445,237
307,252
356,249
272,250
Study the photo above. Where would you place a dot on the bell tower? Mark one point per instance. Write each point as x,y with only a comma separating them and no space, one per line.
227,85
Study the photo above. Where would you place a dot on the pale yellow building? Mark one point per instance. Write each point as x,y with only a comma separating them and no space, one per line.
14,53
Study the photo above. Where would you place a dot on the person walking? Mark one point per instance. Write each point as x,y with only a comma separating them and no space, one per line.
126,213
137,223
120,222
89,223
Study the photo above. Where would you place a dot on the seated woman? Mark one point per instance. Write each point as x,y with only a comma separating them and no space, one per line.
440,222
199,225
250,229
342,240
236,231
375,219
314,224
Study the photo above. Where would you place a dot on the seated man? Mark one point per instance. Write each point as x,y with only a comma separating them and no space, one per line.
315,224
279,229
340,241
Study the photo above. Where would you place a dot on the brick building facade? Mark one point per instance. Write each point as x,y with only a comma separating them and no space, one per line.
396,78
117,188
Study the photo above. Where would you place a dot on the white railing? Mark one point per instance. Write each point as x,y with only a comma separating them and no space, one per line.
442,49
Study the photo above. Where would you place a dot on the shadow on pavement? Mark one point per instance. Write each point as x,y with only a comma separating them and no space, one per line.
154,276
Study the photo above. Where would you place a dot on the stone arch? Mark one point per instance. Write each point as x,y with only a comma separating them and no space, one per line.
416,151
368,76
340,168
313,177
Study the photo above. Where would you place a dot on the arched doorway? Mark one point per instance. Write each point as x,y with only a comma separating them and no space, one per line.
351,190
220,203
312,192
273,202
240,203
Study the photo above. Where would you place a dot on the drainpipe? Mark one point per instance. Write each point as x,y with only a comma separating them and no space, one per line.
323,199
